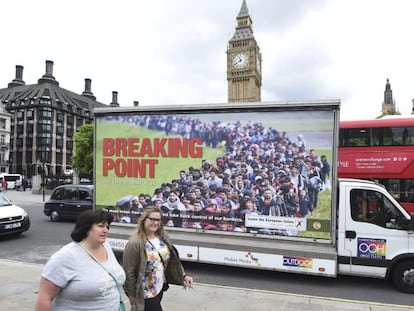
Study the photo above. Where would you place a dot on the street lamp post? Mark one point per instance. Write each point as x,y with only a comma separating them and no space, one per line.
43,179
42,172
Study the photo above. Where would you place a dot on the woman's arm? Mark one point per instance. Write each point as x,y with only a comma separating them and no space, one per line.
47,292
130,263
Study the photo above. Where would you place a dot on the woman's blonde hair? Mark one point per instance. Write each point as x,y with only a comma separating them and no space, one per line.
141,228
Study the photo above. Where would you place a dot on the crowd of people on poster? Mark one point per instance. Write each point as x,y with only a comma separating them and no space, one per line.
262,172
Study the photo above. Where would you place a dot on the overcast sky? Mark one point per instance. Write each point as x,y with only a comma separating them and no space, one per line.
173,52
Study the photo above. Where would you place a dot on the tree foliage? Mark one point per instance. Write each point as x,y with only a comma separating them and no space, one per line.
82,160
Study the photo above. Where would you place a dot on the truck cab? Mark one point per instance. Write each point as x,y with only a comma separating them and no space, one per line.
375,234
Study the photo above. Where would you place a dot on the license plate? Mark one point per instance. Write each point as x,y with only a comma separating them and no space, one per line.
12,226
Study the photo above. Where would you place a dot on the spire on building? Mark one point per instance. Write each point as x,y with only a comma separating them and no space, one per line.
388,93
388,106
244,24
244,11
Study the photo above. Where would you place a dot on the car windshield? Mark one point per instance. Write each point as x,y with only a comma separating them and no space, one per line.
4,201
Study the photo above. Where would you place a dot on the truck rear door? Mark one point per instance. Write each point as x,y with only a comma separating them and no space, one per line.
374,232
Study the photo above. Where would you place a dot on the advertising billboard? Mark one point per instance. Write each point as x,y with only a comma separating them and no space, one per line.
256,172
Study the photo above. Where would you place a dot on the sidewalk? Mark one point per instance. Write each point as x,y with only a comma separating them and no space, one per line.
19,283
28,196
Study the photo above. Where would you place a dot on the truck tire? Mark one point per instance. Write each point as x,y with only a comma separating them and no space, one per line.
403,276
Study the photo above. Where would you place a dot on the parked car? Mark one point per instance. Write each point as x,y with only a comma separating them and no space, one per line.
68,202
13,219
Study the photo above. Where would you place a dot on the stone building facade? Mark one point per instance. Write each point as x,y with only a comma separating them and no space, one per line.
44,118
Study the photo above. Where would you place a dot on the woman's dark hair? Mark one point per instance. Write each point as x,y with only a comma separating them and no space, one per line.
86,220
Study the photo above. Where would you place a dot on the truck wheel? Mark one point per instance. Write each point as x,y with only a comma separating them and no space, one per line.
403,276
54,215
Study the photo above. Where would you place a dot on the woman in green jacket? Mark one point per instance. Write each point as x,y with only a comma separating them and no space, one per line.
150,261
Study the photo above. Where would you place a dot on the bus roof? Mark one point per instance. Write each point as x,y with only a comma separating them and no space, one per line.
386,121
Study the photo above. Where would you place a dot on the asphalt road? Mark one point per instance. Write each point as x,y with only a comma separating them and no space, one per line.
45,237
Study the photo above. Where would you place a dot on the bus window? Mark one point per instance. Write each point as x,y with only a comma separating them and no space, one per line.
358,137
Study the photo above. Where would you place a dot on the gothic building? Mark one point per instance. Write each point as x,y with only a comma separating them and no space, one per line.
44,118
388,106
244,61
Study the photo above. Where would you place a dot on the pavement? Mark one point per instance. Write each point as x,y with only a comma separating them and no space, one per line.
19,283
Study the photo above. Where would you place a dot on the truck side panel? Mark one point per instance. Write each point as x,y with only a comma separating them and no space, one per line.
268,254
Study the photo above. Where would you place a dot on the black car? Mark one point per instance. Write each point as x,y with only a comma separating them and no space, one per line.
68,202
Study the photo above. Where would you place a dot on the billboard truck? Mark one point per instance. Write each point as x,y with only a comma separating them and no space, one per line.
251,185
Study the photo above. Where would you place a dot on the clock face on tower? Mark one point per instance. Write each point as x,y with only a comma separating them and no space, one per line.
240,60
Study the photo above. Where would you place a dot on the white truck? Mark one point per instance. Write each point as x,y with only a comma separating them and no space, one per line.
243,184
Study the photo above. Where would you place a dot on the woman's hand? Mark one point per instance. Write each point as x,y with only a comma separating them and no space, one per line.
188,281
132,301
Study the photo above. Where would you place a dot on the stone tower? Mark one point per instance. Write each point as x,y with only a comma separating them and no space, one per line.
244,61
388,106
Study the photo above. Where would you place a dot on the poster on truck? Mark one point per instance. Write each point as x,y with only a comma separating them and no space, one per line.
256,172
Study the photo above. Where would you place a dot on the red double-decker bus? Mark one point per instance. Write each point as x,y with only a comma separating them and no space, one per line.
380,150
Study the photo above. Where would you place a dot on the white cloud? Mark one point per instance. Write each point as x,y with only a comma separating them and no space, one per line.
173,52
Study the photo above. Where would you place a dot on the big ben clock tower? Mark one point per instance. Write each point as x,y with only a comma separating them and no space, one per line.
244,60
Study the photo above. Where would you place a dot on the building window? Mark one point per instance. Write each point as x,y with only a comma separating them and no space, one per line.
44,142
20,129
69,146
29,142
45,101
59,130
69,120
29,129
79,123
19,144
29,157
59,157
45,113
45,128
59,117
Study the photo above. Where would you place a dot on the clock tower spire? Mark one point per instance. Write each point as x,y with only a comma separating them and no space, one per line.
244,61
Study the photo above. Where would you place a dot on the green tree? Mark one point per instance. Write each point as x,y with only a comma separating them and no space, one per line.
82,160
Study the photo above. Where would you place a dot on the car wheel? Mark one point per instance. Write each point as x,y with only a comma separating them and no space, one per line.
403,276
54,215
